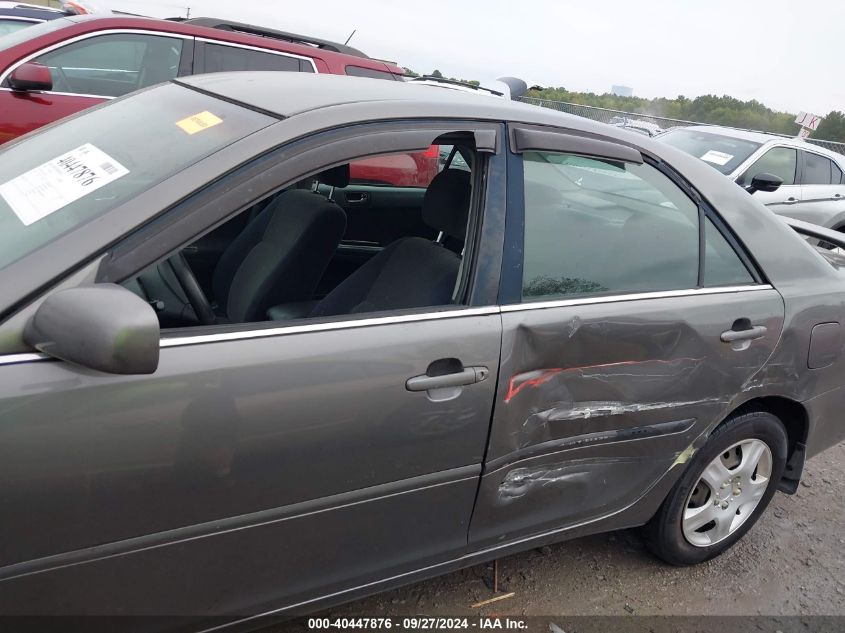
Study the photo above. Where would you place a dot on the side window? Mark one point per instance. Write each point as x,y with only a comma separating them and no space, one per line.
722,266
372,73
221,58
322,247
817,170
835,173
594,226
780,161
113,65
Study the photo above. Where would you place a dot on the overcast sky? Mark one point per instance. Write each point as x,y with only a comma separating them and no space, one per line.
784,53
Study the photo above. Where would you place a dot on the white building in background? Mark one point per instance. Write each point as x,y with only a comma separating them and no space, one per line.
622,91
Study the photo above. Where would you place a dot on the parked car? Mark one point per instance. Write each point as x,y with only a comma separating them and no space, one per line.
216,402
91,60
812,189
16,15
647,128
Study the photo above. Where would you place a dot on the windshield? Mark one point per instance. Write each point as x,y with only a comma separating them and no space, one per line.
8,40
725,153
68,174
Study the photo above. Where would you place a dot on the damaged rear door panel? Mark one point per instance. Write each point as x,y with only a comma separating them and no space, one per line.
597,402
634,322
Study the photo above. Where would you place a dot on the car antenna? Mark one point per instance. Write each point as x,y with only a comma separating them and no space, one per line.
350,36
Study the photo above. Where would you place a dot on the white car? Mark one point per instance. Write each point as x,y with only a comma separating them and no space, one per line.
813,187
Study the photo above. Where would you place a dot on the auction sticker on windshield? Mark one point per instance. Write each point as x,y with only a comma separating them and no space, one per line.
59,182
717,158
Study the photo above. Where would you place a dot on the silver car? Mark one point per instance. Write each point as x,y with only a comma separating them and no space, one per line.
238,383
813,187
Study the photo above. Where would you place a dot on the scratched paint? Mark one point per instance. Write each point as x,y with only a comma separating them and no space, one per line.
651,368
587,410
599,402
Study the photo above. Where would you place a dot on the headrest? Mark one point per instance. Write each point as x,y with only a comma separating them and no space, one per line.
445,206
334,177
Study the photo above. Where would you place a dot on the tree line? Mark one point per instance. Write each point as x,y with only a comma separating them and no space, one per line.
724,110
711,109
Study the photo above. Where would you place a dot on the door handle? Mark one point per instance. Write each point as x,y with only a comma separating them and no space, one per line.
749,334
357,197
836,196
791,200
467,376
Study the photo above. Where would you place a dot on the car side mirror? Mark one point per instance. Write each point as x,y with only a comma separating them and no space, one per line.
764,182
102,326
31,76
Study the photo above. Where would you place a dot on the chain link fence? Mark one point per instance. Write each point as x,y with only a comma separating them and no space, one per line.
644,122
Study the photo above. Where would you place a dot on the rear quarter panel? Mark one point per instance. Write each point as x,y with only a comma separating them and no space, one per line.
813,291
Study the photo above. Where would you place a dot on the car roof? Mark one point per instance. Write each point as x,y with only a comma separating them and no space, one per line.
286,94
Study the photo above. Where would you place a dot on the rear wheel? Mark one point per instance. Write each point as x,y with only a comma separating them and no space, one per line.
725,489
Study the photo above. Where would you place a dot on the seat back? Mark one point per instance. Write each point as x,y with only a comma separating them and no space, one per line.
279,257
411,272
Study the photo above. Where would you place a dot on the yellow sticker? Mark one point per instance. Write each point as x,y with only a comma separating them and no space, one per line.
199,122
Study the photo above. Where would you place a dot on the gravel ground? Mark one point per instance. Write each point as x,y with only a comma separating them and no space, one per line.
791,563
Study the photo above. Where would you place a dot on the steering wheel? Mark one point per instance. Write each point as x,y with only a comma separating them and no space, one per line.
196,297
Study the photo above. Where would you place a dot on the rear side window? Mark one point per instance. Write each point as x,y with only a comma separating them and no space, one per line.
113,65
817,170
372,73
780,161
594,226
220,58
722,266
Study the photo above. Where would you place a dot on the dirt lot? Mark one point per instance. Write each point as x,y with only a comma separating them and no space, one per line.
791,563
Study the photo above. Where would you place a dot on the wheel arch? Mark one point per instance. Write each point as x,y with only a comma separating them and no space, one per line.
795,420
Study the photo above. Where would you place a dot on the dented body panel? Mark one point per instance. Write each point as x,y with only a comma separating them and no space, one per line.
598,401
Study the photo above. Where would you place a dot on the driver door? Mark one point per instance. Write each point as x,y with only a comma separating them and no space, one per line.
262,464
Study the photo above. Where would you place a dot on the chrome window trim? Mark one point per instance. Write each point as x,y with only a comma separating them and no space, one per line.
635,296
284,330
17,18
64,94
267,332
305,58
26,357
79,38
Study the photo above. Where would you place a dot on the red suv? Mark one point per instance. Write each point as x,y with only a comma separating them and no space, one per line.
58,68
94,58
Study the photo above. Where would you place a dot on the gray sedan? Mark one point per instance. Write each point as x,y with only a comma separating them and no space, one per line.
236,383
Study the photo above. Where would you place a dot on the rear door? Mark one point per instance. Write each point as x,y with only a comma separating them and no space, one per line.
91,69
613,358
822,192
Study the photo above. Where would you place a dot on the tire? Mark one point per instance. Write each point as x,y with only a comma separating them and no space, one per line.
726,512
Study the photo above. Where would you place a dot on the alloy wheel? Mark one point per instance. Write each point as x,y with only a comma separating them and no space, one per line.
727,492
